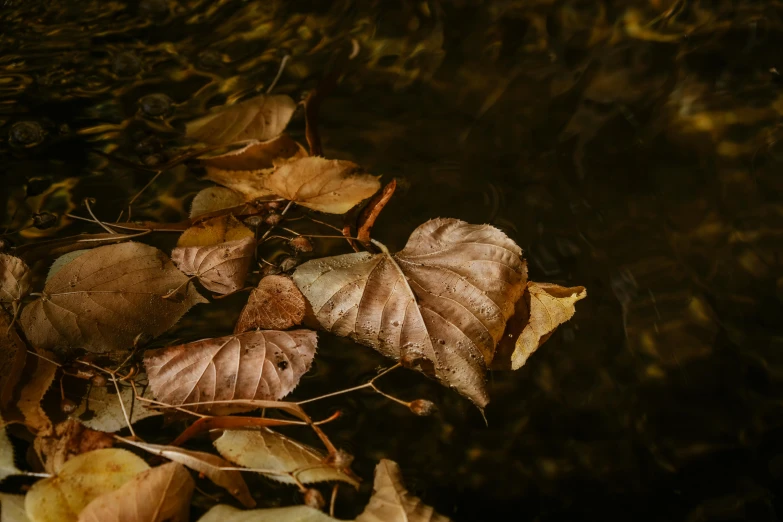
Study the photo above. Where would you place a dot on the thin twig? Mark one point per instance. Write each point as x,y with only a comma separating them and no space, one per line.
104,226
279,73
368,384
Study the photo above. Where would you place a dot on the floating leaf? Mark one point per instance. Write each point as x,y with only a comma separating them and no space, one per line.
264,365
12,508
332,186
220,268
105,298
260,118
70,439
224,513
32,394
275,304
212,199
7,465
441,304
81,480
208,465
156,495
214,231
13,354
255,156
275,455
101,409
14,279
391,502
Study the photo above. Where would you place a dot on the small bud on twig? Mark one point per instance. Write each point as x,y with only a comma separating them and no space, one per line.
422,407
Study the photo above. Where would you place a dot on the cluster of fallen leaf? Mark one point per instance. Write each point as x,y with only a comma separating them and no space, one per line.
452,304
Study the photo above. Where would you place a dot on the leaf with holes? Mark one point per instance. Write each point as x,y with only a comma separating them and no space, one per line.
264,365
440,305
275,304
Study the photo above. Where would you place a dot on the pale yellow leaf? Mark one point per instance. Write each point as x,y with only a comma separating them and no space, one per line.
223,513
260,118
12,508
212,199
256,155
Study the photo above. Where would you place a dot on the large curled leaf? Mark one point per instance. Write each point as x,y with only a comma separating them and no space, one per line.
7,465
12,508
265,365
260,118
223,513
105,298
14,279
391,502
81,480
278,455
155,495
275,304
101,409
441,304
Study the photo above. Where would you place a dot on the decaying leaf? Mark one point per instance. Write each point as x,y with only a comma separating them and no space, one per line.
440,305
32,393
81,480
160,494
7,464
70,438
332,186
391,502
255,156
224,513
106,297
212,199
542,308
260,118
275,304
12,508
13,355
208,465
14,279
275,456
214,231
265,365
220,268
101,409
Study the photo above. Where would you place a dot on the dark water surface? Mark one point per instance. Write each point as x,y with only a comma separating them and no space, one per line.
628,146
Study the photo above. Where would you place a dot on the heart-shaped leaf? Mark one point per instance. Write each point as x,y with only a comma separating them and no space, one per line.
275,304
441,304
220,268
14,279
264,365
212,199
106,297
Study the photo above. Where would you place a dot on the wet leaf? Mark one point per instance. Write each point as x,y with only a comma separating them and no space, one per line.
14,279
32,393
13,355
105,298
391,502
264,365
224,513
81,480
260,118
7,464
275,455
275,304
156,495
332,186
257,155
220,268
440,305
70,438
101,409
207,464
12,508
212,199
214,231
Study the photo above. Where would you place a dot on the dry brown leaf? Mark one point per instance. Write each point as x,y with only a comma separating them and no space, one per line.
101,409
206,464
212,199
542,308
14,279
260,118
275,304
332,186
220,268
156,495
224,513
256,155
275,455
105,298
391,502
440,305
81,480
263,365
7,464
12,508
32,393
13,355
70,439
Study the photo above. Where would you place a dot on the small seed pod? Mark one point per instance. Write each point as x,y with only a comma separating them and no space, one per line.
68,406
288,263
314,499
422,407
273,219
253,221
273,204
341,459
301,244
44,220
98,380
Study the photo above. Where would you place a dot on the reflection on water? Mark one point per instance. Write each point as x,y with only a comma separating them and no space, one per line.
632,147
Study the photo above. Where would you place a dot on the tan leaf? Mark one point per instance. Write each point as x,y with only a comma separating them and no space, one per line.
13,355
105,298
220,268
260,118
332,186
251,184
156,495
12,508
33,392
391,502
14,279
441,304
70,439
207,464
263,365
7,464
275,456
275,304
101,409
224,513
81,480
256,155
212,199
214,231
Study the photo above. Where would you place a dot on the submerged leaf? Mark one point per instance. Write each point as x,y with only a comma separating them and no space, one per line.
12,508
212,199
275,304
101,409
224,513
260,118
220,268
81,480
440,305
264,365
391,502
214,231
7,465
276,456
14,279
70,438
155,495
105,298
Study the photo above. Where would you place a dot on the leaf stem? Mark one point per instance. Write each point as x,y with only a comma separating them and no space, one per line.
368,384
